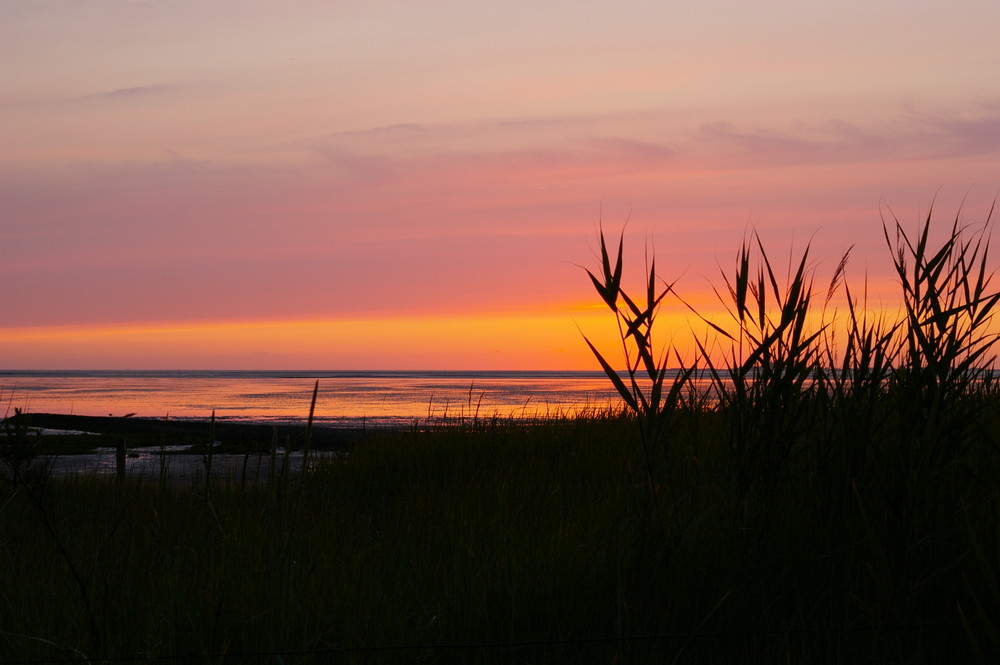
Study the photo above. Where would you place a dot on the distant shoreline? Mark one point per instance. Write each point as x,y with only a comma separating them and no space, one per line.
324,438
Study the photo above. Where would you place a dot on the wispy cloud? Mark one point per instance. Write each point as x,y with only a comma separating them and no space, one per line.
905,136
965,136
131,92
636,152
725,140
405,128
775,145
116,94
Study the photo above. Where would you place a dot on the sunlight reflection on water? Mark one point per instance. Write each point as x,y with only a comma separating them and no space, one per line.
345,398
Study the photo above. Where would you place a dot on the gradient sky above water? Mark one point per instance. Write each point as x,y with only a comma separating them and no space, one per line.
382,184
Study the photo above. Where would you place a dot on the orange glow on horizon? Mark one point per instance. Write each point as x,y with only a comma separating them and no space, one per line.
537,339
404,185
501,341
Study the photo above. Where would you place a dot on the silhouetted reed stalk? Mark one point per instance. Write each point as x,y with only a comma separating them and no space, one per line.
163,465
309,426
780,372
852,384
765,383
648,394
945,363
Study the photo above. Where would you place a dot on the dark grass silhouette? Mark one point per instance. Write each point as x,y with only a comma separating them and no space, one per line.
835,501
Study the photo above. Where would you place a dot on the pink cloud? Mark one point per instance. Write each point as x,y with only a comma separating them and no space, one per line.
452,217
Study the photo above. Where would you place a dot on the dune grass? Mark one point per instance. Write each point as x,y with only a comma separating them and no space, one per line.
836,501
506,543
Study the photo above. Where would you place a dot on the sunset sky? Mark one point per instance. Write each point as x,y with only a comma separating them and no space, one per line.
415,185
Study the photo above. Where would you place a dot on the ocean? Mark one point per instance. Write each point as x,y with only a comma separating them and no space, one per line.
345,398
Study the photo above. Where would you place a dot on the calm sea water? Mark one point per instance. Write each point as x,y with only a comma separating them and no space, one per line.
345,399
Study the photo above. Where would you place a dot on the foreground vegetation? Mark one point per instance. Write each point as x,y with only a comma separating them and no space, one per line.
830,500
511,544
